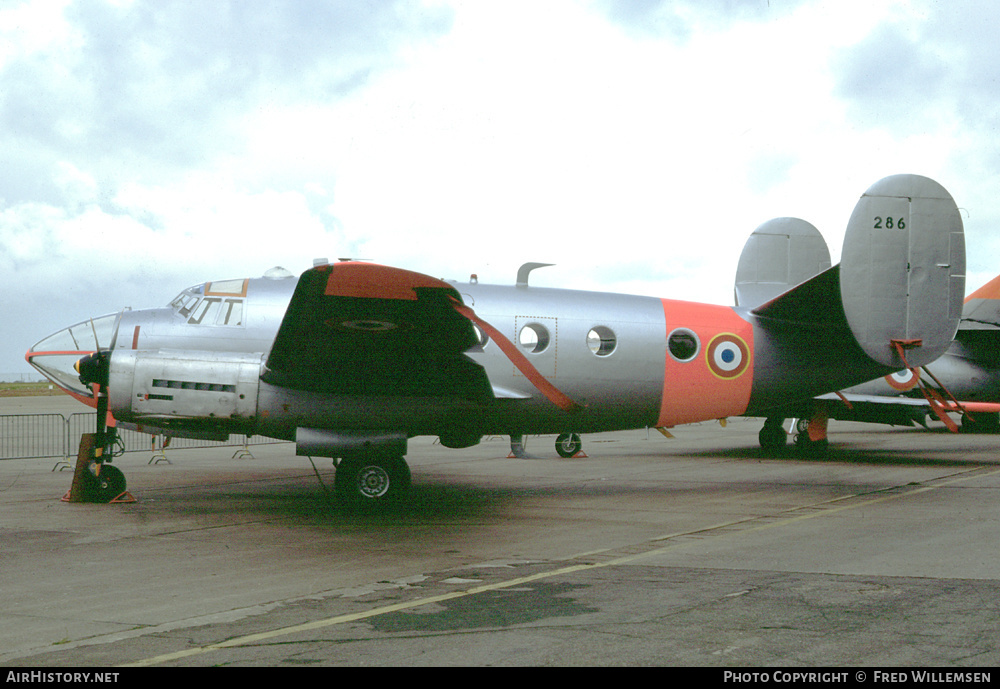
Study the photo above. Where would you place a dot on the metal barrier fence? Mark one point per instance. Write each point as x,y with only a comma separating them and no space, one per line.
33,435
27,436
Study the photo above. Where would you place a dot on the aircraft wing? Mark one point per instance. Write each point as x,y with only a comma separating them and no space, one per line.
887,409
853,399
364,329
897,410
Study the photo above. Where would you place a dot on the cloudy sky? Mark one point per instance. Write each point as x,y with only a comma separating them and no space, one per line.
147,145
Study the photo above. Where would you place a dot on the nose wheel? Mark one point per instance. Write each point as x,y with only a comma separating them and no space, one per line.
105,486
96,480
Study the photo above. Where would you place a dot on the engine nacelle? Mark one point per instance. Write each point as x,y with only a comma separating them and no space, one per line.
320,442
194,390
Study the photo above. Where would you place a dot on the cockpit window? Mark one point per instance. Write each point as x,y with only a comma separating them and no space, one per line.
185,301
213,303
217,311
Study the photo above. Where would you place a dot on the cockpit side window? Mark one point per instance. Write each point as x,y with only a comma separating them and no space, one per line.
214,303
217,311
184,302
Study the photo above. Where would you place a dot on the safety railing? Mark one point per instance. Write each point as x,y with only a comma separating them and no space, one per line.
33,435
27,436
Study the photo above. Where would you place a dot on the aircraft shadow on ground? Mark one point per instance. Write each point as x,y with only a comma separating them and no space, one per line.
307,500
433,498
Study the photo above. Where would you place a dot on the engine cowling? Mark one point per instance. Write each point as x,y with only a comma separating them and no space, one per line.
206,391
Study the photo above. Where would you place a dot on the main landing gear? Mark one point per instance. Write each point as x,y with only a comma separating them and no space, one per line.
369,481
568,445
809,436
772,435
805,443
105,484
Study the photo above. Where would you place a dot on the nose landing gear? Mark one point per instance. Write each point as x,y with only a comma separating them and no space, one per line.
95,480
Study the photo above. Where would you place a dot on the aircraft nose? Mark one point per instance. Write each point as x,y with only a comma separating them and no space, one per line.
57,355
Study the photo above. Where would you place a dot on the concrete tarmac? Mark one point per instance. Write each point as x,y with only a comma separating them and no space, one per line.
702,550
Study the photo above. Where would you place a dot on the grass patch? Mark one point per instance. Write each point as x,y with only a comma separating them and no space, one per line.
28,389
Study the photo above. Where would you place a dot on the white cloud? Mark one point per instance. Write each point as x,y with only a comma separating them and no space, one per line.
636,145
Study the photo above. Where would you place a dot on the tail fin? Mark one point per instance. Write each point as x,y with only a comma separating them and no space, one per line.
780,254
902,270
901,277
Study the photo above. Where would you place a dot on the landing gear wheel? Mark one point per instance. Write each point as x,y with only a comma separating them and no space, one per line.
105,487
772,435
568,444
371,482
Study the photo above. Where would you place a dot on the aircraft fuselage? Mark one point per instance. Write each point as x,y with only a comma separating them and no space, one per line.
195,367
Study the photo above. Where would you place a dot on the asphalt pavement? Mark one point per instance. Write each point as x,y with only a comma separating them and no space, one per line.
701,550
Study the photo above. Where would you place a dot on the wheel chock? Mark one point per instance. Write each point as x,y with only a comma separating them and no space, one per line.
86,455
122,499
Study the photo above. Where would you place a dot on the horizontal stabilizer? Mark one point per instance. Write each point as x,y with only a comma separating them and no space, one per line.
780,254
816,301
902,270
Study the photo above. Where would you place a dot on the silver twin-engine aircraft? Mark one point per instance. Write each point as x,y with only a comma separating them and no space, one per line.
352,359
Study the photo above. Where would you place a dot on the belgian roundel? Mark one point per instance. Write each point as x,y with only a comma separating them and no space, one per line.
904,380
727,356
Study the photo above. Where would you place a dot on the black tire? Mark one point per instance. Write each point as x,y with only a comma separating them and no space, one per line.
568,444
105,487
362,482
772,436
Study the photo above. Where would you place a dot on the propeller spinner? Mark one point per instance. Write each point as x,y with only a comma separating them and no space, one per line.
95,368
